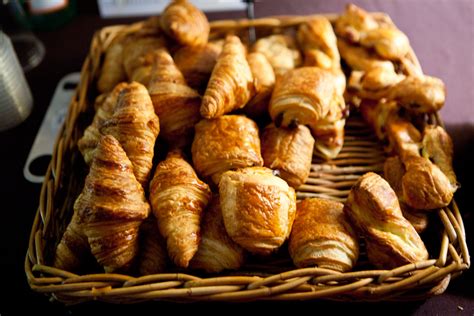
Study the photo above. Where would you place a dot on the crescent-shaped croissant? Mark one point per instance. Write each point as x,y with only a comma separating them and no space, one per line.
217,251
112,71
178,199
135,125
185,23
111,207
231,83
175,103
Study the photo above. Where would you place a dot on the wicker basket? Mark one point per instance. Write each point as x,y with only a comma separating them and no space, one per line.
274,280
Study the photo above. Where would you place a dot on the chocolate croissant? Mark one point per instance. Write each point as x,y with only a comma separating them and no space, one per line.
228,142
175,103
258,208
111,207
185,23
112,71
153,257
322,236
372,207
231,84
281,52
178,199
289,151
217,251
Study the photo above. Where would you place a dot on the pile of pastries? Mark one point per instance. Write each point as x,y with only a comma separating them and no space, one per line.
226,188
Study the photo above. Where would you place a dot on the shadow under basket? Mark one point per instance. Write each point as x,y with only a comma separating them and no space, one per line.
272,279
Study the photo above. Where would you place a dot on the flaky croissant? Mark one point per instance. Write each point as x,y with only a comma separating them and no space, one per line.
112,71
231,84
111,207
289,151
104,110
228,142
153,256
178,199
135,125
281,52
197,63
175,103
216,251
185,23
258,208
372,207
322,236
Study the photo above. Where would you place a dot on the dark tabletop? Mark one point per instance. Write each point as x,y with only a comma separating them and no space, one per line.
442,34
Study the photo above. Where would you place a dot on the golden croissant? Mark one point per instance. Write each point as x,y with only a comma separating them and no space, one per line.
372,207
175,103
322,236
216,251
231,84
112,71
185,23
178,199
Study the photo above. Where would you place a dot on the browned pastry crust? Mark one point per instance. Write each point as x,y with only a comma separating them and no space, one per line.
185,23
216,251
111,207
281,52
175,103
354,22
404,137
231,83
322,236
153,256
197,63
178,199
135,125
359,58
258,208
329,133
112,71
372,206
304,96
289,151
228,142
263,80
389,42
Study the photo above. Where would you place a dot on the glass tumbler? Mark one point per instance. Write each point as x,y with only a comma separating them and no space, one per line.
16,100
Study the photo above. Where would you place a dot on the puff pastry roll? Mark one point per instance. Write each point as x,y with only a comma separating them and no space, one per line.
258,208
185,23
135,125
374,82
178,199
231,84
389,42
319,44
372,207
111,207
217,251
105,105
175,103
304,96
112,71
359,58
197,63
354,22
289,151
378,114
322,236
329,133
153,256
393,172
228,142
263,80
281,52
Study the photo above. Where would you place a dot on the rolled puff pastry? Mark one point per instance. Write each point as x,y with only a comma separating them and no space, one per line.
304,96
258,208
217,251
185,23
289,151
231,84
372,207
354,22
228,142
178,199
322,236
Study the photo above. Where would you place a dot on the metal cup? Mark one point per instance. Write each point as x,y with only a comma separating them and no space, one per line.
16,101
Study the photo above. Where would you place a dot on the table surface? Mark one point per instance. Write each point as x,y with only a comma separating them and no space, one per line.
442,34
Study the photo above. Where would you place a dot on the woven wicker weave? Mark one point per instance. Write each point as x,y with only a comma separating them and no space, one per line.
274,280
